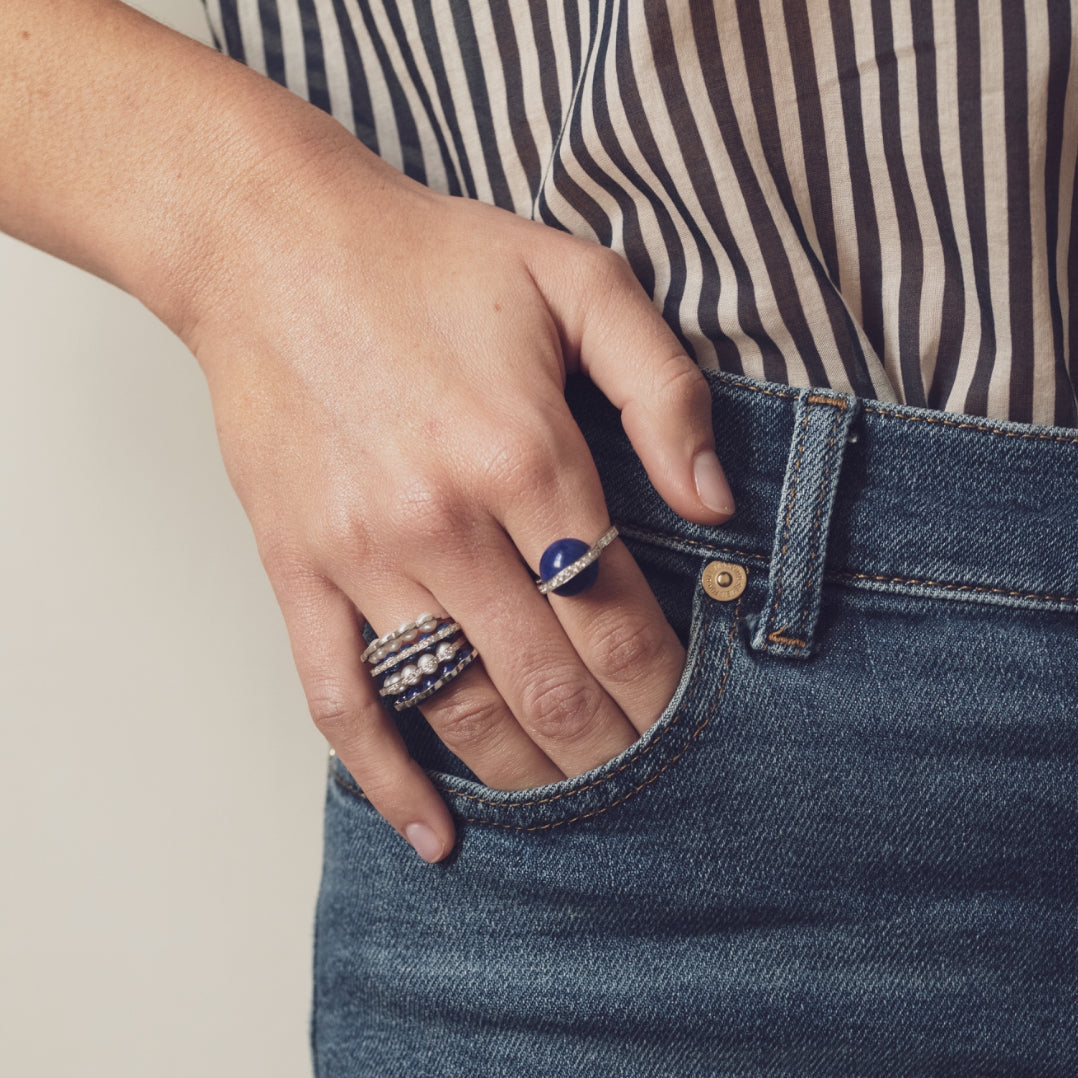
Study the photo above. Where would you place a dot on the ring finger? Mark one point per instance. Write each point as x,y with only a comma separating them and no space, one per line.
468,714
532,664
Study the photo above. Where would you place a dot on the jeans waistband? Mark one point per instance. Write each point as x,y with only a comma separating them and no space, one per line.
866,494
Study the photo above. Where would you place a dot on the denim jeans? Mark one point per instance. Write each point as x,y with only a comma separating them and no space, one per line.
849,846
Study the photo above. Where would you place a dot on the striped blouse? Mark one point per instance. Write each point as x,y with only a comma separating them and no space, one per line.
872,195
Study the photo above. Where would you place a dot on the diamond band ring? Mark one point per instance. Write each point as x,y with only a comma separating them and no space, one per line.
570,566
419,659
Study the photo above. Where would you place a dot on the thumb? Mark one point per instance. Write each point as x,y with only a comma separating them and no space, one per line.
621,342
666,412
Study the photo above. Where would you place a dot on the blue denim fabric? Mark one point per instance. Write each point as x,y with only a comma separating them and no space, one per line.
849,846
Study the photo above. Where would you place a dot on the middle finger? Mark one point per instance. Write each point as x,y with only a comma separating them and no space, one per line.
529,658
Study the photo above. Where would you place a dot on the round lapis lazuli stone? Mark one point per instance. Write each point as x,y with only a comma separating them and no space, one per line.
560,555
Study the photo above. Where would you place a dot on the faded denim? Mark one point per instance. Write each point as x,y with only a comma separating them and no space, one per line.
850,844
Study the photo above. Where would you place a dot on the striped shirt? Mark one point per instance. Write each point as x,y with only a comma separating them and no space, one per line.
872,195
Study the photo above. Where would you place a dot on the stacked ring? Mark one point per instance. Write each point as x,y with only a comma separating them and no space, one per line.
569,566
409,631
418,659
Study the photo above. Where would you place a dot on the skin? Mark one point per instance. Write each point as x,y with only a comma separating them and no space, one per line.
386,366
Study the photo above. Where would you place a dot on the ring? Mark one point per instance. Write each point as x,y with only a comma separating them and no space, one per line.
568,566
409,631
447,629
416,694
419,659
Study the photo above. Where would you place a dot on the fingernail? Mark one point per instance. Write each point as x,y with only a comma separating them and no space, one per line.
711,483
424,841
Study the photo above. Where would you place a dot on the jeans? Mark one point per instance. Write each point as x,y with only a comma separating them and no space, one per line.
849,846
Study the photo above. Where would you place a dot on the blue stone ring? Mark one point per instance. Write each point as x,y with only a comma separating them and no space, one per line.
570,566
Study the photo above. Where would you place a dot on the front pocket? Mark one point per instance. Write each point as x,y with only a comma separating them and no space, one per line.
695,703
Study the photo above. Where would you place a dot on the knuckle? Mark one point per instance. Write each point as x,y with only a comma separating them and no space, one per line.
682,385
332,711
465,721
560,707
522,464
603,274
605,266
281,554
626,649
336,528
427,511
288,566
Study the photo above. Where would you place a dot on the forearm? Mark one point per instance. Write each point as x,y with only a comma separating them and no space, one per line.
135,152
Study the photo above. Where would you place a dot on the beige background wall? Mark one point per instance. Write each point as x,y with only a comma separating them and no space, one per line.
160,783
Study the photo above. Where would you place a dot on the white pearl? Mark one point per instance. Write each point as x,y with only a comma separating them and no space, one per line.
410,675
445,651
392,683
427,663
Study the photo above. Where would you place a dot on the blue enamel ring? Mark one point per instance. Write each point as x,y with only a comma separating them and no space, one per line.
570,566
419,659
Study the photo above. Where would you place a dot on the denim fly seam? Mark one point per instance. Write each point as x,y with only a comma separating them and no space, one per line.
821,424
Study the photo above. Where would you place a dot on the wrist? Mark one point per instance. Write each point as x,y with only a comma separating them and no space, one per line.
245,164
290,199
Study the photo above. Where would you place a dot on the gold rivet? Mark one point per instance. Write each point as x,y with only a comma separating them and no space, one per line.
723,580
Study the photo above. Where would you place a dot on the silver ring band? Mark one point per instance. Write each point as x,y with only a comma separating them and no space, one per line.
425,667
425,623
462,664
419,659
562,578
394,660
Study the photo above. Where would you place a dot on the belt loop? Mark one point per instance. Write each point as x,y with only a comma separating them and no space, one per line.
821,426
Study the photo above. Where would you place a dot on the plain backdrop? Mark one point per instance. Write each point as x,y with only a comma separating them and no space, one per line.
160,782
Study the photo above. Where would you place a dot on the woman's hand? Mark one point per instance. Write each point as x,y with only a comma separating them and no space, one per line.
387,367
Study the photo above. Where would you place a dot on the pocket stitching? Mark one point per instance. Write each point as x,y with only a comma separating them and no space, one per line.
355,790
727,664
639,754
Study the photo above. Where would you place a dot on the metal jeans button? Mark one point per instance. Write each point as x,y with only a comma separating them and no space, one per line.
724,580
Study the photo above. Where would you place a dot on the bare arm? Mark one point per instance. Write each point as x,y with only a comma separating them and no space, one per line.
115,132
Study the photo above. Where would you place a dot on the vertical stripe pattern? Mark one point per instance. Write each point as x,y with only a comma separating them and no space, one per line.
876,197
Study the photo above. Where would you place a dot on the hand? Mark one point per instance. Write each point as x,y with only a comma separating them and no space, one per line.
387,368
